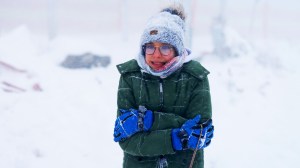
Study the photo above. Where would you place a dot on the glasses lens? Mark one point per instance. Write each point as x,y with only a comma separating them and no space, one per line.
165,49
149,49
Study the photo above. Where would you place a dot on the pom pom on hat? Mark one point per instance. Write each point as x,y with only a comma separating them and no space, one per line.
168,26
178,10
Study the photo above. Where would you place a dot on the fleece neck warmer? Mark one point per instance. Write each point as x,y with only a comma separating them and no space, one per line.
168,69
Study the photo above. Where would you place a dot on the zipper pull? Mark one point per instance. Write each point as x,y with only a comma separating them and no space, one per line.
162,162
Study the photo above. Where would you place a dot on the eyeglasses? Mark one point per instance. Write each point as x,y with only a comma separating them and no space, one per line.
164,49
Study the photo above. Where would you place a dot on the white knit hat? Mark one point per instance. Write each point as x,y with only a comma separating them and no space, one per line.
165,28
168,26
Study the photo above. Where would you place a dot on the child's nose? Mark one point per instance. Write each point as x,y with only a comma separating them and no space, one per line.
157,52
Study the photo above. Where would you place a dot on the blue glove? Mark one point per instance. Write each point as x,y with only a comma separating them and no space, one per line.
132,121
187,136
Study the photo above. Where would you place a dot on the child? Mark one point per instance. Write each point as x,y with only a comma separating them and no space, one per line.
164,104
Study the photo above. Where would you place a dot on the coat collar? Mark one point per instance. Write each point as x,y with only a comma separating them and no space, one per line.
129,66
195,69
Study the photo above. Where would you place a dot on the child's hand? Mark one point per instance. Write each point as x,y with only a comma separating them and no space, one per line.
132,121
188,136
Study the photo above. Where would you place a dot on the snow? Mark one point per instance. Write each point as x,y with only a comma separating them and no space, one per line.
69,123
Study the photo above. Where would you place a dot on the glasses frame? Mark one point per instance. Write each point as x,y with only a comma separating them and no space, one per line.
159,48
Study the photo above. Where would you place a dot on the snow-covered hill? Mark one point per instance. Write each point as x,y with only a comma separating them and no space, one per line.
56,117
70,122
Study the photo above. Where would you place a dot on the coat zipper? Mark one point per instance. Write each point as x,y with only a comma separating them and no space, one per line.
161,93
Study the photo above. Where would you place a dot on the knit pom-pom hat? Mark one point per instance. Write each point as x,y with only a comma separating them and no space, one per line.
168,26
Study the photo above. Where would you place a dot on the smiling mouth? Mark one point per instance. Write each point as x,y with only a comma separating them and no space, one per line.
158,63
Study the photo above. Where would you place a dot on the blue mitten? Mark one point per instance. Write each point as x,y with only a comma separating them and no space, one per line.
132,121
187,136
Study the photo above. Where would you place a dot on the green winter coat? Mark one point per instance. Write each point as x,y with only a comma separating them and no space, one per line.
174,100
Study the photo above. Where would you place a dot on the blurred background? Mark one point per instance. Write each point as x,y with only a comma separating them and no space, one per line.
252,18
58,81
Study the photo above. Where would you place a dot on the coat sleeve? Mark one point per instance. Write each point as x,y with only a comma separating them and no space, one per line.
200,101
140,144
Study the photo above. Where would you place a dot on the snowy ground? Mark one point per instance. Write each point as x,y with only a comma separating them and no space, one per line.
69,123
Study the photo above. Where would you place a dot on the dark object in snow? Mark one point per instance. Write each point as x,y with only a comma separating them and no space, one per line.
86,60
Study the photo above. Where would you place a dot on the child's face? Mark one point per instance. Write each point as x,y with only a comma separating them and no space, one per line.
158,54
